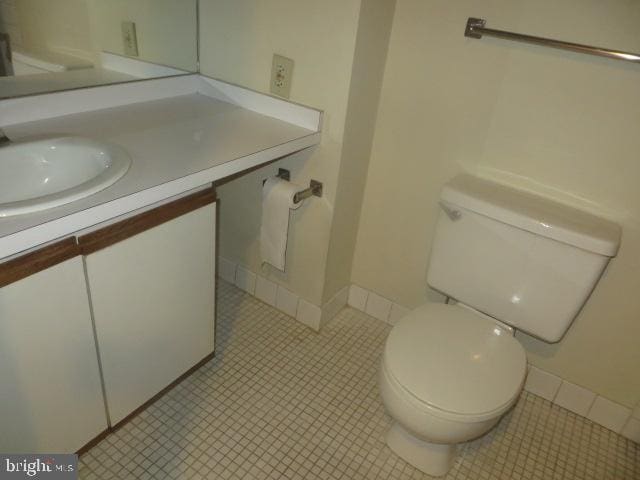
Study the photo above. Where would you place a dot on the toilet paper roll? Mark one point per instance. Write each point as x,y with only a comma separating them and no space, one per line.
277,202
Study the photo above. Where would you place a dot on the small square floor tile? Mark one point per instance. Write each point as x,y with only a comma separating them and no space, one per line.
280,401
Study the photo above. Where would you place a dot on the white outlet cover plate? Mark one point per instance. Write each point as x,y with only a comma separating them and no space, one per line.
281,74
129,39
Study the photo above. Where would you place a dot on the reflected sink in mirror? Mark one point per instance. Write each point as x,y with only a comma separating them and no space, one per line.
45,173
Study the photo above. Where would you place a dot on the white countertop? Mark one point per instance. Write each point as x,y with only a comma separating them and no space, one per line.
176,144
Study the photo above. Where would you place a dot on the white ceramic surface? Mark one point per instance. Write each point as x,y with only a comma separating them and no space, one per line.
542,384
428,435
609,414
266,290
245,279
378,306
454,360
530,281
433,458
309,314
287,301
534,214
449,373
447,376
574,398
226,269
357,297
45,173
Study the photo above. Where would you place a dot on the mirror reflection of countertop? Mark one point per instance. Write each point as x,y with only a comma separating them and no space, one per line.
28,84
110,69
176,143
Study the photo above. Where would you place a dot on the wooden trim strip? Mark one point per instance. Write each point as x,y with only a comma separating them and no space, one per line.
137,411
23,266
107,236
162,392
93,442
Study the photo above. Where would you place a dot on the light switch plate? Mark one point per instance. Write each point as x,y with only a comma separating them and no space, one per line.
129,39
281,74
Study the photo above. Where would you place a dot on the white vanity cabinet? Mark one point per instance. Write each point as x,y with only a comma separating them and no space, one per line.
151,280
50,393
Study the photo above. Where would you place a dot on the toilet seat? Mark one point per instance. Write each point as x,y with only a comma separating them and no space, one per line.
455,363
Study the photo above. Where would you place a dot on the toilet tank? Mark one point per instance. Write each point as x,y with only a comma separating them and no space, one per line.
523,259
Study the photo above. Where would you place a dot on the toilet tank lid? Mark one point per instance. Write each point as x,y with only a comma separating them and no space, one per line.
534,214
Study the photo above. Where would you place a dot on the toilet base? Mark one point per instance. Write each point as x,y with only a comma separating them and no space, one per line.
433,458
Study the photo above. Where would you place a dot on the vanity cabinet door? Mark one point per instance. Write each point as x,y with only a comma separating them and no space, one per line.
50,392
151,281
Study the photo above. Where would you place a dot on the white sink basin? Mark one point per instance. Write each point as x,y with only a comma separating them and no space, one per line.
41,174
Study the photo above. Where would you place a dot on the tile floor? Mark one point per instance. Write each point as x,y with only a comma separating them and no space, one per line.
280,401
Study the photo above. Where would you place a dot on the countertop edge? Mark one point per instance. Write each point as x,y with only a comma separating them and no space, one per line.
48,106
29,238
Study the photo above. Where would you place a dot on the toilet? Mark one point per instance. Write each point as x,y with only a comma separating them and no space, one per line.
506,259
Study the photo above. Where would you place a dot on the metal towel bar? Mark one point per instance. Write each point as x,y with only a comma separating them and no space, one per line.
476,28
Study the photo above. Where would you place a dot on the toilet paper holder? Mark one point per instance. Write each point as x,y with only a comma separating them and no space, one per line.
315,187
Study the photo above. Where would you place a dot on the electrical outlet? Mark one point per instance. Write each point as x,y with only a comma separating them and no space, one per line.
281,74
129,39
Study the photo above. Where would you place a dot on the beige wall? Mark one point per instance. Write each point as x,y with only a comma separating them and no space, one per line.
55,25
376,17
238,40
165,29
562,124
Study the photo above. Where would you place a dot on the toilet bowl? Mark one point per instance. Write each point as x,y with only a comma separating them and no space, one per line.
449,372
447,376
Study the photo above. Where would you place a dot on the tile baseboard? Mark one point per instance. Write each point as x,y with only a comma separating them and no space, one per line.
577,399
280,297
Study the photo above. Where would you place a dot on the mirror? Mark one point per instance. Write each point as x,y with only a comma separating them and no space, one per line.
53,45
